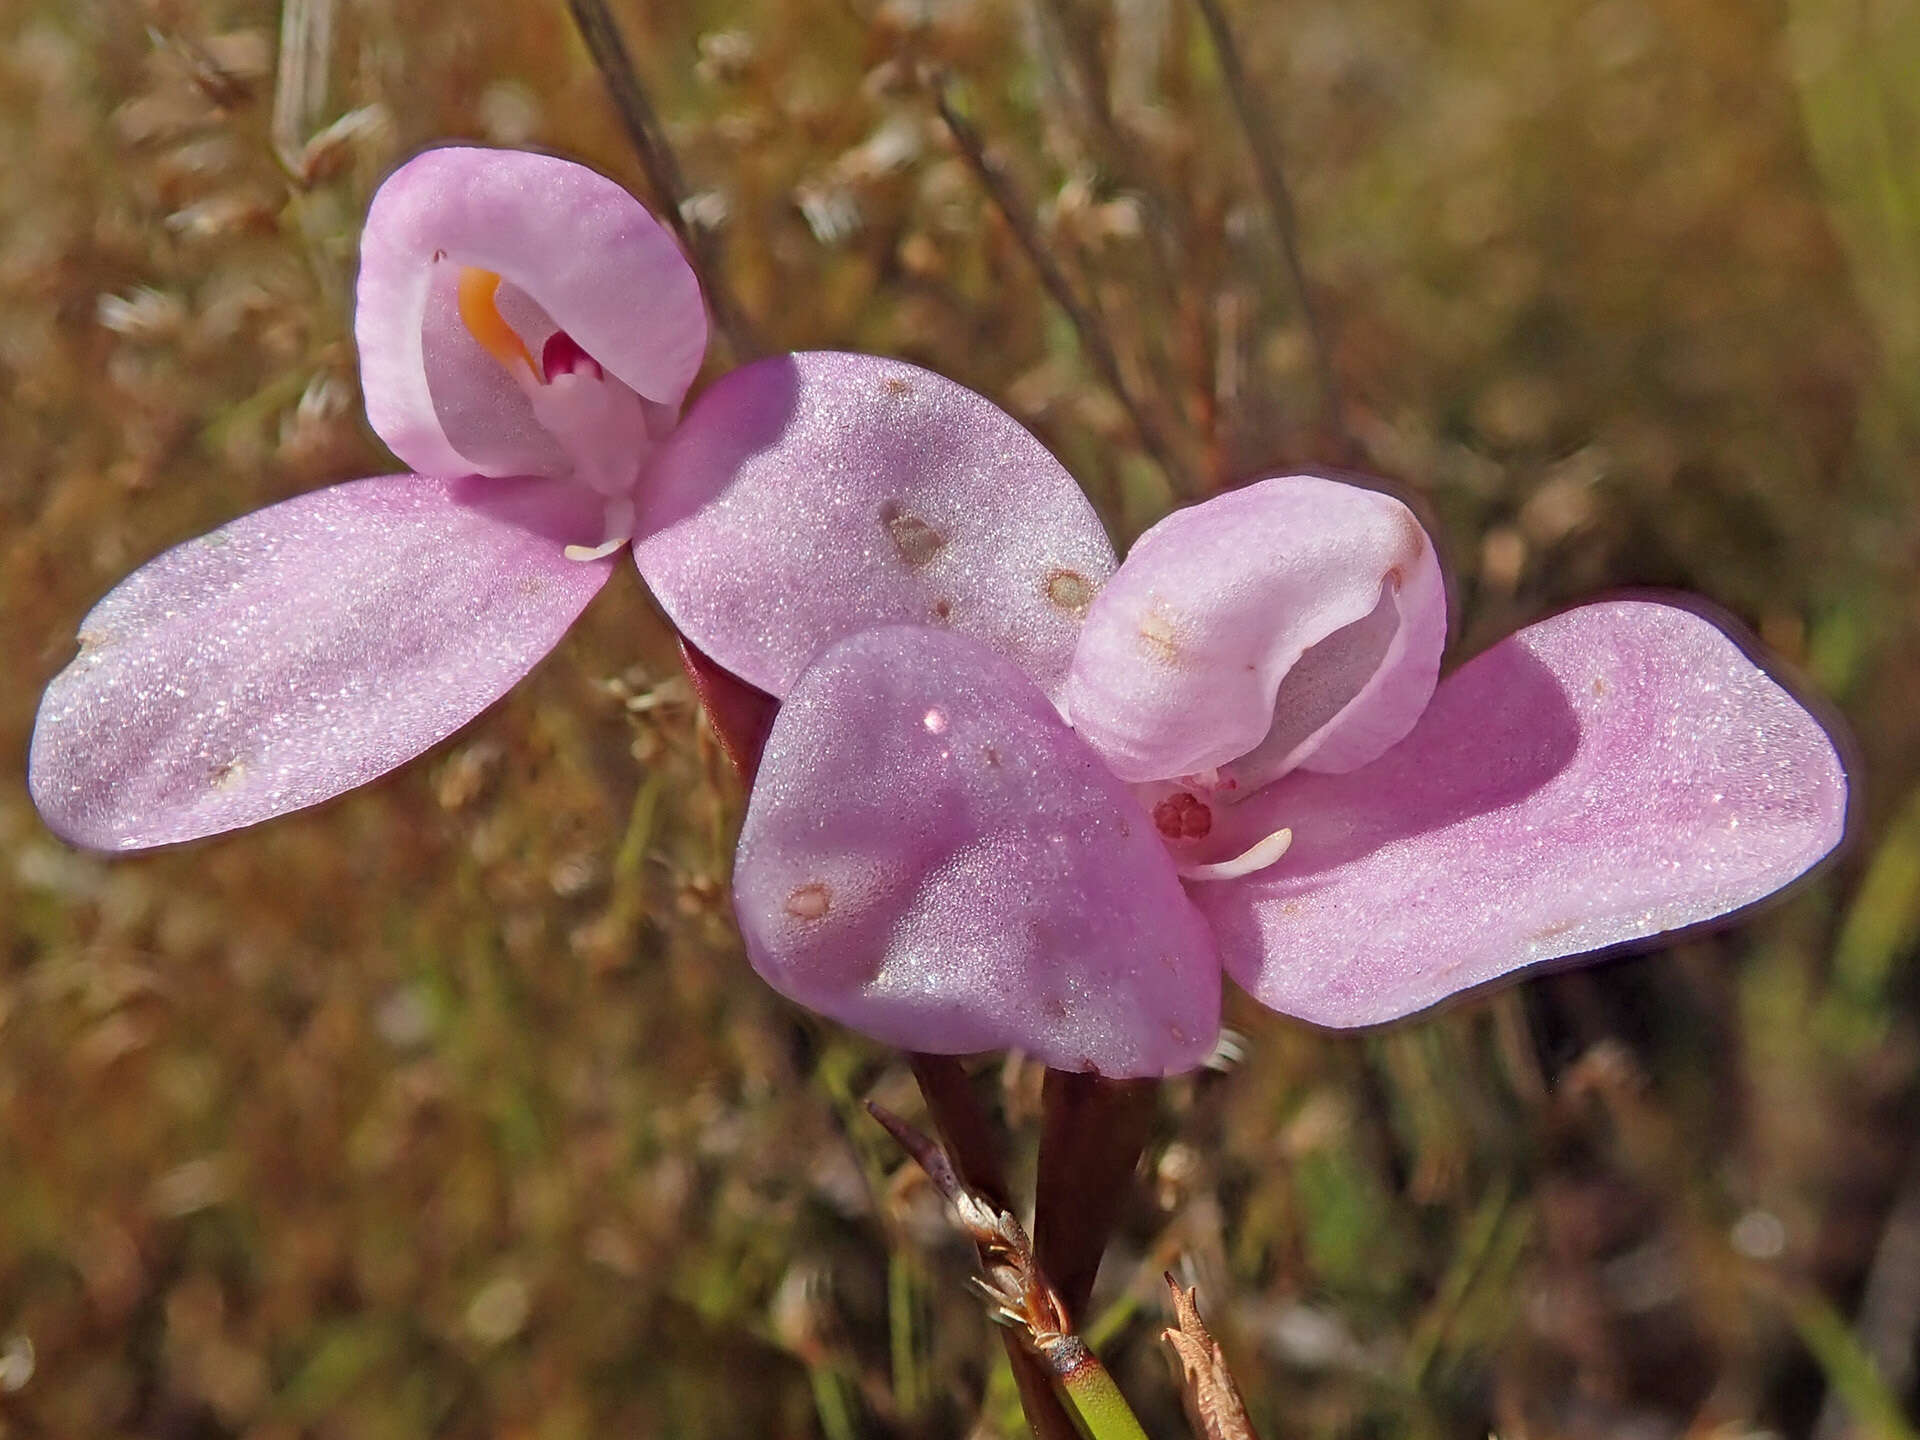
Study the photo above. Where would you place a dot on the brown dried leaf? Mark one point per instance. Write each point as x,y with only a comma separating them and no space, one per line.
1211,1393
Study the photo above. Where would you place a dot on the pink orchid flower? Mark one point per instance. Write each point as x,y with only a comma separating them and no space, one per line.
1264,777
527,332
994,827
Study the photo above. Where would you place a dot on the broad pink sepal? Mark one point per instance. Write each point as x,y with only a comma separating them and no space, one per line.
1615,772
931,857
302,650
811,496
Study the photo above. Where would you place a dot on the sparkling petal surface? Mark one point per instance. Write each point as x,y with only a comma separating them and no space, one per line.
574,246
1295,622
810,496
1614,772
302,650
931,857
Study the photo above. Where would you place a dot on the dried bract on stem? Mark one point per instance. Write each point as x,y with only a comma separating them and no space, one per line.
1210,1390
1020,1294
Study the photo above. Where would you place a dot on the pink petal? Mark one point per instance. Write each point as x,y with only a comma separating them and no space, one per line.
574,250
302,650
814,495
1296,622
1614,772
933,858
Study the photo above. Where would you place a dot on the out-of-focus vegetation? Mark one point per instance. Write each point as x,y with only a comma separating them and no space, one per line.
452,1108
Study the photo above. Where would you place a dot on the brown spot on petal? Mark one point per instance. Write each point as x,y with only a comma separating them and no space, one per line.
1070,590
225,777
810,901
1599,685
916,540
991,755
1156,631
898,385
943,610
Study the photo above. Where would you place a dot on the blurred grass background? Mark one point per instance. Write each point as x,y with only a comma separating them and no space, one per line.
452,1108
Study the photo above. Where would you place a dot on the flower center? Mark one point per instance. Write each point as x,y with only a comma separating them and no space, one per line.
1183,816
601,425
1183,813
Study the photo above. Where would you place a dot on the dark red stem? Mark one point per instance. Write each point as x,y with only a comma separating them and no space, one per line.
1092,1131
975,1151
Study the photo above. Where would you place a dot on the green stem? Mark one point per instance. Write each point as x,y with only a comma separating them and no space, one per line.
830,1403
902,1303
1090,1395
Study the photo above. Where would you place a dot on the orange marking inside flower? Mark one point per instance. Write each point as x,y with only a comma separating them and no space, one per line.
481,315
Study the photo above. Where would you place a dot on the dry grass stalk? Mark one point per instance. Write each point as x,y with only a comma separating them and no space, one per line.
1086,326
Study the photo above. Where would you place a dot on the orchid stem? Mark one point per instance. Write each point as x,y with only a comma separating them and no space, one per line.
975,1152
1024,1299
605,44
1096,1402
1092,1133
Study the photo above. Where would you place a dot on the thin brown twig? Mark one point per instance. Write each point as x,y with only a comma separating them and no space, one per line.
609,51
1066,27
1279,197
1086,326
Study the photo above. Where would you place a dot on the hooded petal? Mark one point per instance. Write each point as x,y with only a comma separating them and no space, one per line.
1296,622
302,650
933,858
809,496
1614,772
574,251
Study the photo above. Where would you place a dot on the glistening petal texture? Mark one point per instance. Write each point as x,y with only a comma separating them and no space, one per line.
585,252
1617,771
931,857
810,496
1297,621
302,650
